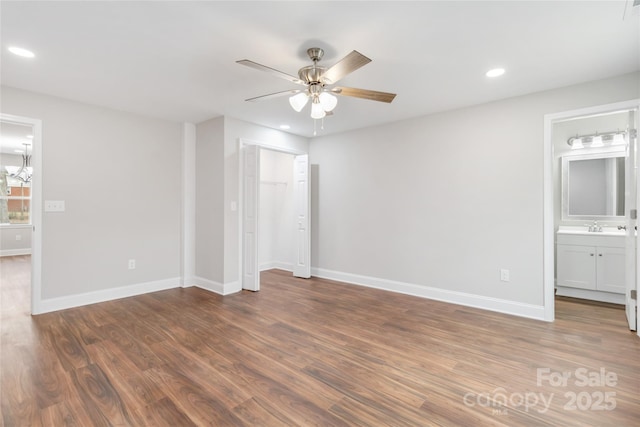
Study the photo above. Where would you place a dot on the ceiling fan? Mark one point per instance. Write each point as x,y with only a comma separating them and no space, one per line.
317,80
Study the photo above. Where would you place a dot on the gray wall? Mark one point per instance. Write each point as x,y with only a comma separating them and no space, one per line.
15,240
119,175
445,200
210,200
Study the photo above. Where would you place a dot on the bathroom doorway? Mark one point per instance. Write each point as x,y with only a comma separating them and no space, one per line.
590,206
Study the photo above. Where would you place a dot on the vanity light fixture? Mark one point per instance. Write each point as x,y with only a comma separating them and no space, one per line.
618,139
597,139
576,144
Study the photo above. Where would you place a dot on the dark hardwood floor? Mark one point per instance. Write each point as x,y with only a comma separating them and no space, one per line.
310,352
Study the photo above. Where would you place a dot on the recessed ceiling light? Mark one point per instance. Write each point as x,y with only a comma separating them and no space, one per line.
21,52
495,72
285,127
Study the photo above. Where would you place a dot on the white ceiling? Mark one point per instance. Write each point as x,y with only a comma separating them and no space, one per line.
176,60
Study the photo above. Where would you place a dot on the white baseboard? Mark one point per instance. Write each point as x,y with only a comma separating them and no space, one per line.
217,287
208,285
286,266
454,297
62,303
15,252
590,295
188,281
232,287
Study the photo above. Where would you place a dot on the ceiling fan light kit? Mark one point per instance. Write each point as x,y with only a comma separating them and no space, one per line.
328,101
317,112
316,80
299,101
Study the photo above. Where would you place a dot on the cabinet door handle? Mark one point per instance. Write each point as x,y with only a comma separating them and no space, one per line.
599,254
591,254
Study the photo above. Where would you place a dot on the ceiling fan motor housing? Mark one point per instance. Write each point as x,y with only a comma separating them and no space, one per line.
311,74
315,53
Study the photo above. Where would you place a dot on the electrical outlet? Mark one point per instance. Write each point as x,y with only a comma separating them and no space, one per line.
504,275
132,264
18,236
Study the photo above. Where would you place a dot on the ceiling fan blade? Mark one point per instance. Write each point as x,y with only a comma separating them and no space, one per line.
346,65
271,71
364,93
275,95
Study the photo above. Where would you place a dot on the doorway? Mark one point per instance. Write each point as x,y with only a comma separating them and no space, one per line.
589,238
275,246
20,203
250,211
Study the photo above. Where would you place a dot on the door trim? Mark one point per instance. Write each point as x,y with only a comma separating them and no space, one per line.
36,207
548,217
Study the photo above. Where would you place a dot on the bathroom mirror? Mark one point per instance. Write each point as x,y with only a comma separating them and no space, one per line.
593,186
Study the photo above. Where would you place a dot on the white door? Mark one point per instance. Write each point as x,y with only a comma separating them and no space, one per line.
631,205
250,196
301,181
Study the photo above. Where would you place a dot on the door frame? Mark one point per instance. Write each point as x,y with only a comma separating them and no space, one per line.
548,203
36,206
242,142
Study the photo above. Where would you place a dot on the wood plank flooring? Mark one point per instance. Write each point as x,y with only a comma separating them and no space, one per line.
310,352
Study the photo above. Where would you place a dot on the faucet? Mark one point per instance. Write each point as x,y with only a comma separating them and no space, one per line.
595,228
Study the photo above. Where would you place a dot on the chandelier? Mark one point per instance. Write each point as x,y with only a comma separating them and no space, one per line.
24,172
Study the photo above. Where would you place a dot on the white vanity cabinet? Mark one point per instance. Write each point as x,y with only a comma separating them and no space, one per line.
591,266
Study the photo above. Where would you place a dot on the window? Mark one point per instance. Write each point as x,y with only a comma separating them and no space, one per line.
15,203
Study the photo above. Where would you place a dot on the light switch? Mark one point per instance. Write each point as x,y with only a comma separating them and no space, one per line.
54,206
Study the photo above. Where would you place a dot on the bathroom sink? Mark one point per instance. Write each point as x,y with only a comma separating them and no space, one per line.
606,231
